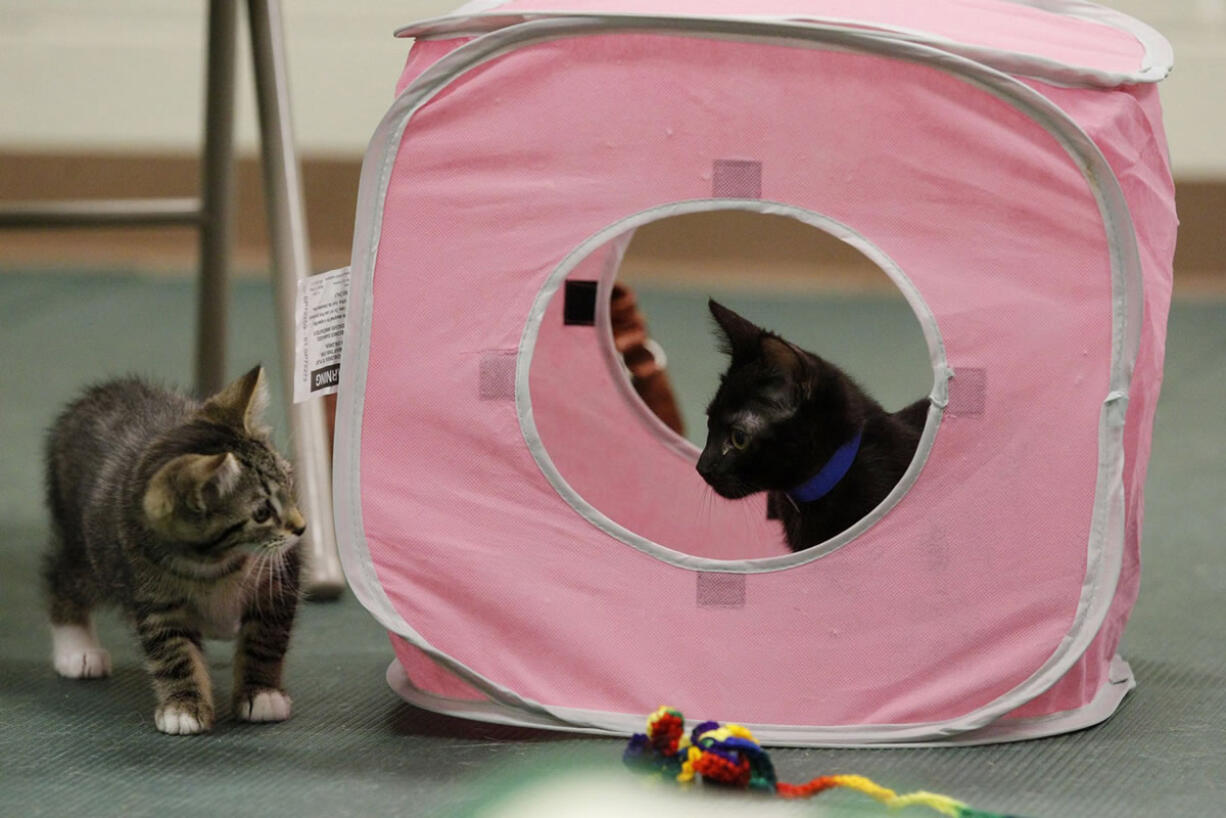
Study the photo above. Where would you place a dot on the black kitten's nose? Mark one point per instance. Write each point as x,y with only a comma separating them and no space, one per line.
705,465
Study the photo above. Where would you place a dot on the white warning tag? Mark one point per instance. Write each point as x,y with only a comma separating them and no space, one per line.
319,321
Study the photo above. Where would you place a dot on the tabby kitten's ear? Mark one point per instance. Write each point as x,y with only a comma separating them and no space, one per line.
240,405
193,481
741,336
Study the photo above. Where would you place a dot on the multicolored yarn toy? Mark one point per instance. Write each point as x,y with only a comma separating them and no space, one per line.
728,755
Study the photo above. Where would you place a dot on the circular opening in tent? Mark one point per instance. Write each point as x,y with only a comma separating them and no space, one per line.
812,289
631,354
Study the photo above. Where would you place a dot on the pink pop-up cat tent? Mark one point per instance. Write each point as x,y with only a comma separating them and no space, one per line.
540,547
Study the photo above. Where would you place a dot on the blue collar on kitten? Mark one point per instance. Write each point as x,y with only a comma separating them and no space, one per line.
836,468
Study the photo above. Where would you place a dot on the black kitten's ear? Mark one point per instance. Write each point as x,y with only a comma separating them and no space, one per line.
242,403
741,337
791,362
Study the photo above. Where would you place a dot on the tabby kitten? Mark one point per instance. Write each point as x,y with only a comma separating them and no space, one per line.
789,423
183,515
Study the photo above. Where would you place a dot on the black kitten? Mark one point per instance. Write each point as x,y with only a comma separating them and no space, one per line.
787,422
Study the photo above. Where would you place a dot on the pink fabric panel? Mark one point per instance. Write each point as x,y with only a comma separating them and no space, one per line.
987,23
617,479
427,675
1127,126
953,599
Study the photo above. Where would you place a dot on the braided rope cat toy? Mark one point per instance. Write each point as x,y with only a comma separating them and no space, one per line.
728,755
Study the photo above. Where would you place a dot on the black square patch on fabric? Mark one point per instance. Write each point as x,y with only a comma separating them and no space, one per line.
579,306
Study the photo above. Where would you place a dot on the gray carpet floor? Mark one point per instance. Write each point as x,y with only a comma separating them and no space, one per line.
352,748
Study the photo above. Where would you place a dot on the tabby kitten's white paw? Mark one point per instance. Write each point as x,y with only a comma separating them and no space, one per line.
176,720
263,705
84,664
77,653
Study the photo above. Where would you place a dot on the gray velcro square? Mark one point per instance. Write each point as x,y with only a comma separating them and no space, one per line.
718,590
497,375
736,179
968,392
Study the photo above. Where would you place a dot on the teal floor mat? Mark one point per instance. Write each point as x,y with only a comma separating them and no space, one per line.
352,748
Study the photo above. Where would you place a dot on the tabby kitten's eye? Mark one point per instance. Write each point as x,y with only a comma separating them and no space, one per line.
738,439
262,513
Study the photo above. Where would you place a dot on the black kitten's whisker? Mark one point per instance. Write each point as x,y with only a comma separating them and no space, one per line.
702,511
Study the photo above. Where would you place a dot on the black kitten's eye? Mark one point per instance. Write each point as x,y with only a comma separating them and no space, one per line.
738,439
262,513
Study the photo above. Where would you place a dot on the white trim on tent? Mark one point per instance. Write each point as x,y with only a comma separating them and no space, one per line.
1107,698
938,397
479,18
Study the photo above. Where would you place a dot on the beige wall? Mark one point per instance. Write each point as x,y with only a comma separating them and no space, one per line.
125,75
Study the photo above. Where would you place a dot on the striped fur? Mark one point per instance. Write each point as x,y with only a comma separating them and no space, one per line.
183,515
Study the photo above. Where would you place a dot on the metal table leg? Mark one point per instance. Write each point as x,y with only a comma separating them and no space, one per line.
217,199
287,228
